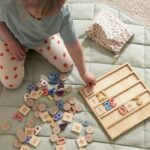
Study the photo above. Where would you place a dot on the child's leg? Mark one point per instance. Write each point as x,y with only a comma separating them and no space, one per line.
54,50
11,70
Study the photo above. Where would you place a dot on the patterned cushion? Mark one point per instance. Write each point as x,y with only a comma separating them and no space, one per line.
109,32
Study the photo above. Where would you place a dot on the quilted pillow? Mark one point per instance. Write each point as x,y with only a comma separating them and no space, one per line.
109,32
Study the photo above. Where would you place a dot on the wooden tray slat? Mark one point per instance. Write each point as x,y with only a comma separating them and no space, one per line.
123,84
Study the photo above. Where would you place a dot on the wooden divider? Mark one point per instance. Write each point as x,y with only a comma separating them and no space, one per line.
124,86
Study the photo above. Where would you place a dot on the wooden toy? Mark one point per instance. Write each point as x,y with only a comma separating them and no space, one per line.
138,100
29,131
89,138
100,110
37,129
89,129
61,147
34,141
61,141
130,106
120,100
107,105
67,117
56,130
81,142
76,127
53,138
45,117
24,110
53,124
25,147
35,94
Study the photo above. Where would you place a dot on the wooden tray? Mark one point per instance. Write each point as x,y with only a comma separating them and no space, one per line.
119,100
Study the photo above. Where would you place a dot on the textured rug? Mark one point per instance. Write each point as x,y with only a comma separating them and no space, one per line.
138,9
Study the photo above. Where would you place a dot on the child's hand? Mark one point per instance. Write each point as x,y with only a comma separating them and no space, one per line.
17,50
89,78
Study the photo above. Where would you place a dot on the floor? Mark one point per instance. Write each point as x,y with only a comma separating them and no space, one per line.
138,9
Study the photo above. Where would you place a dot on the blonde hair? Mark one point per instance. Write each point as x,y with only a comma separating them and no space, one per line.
45,7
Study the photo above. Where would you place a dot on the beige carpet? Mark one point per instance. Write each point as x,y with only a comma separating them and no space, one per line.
138,9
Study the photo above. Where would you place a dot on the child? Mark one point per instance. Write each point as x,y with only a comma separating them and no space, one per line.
35,24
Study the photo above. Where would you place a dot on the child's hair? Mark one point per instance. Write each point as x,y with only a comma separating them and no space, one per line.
45,7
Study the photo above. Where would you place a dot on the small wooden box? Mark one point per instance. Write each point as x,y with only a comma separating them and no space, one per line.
124,112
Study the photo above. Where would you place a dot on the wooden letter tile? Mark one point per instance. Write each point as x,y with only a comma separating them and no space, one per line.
76,127
29,131
45,117
36,94
81,142
25,147
67,117
24,110
120,100
101,96
35,141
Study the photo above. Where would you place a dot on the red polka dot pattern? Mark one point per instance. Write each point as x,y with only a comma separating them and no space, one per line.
13,58
48,48
64,54
5,44
1,67
55,57
6,77
7,50
53,37
10,85
65,65
15,76
14,68
1,54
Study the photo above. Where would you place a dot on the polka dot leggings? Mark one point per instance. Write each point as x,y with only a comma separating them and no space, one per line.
53,49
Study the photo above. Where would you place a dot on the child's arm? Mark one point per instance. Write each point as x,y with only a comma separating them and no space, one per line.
76,51
5,33
16,49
